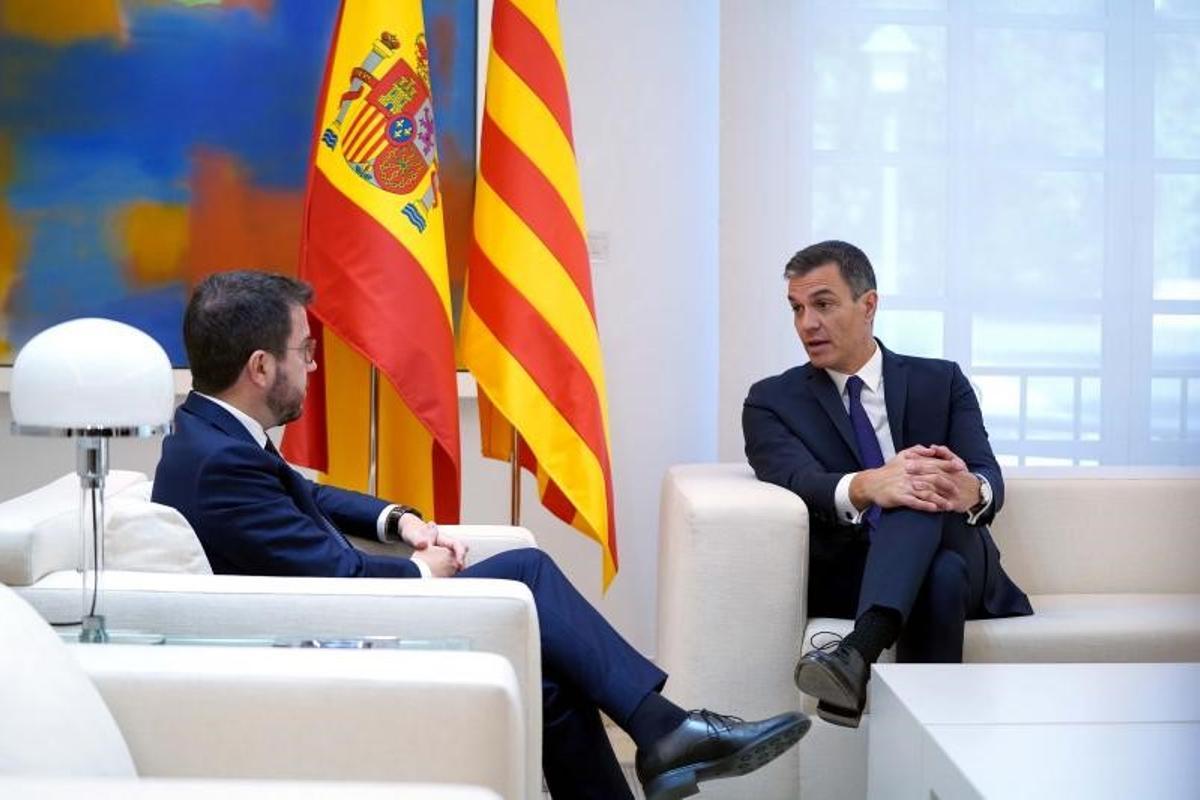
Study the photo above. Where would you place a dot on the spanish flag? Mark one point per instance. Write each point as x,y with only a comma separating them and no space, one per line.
529,330
374,249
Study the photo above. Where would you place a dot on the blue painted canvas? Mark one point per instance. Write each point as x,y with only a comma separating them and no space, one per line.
146,145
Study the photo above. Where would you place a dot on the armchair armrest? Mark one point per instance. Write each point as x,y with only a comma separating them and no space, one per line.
732,583
451,717
483,541
733,565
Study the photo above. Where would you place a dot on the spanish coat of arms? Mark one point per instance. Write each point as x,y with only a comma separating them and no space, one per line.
384,125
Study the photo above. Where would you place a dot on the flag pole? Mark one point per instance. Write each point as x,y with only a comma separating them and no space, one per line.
373,435
514,463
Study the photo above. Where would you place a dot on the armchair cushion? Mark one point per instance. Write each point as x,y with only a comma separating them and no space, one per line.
53,720
39,531
143,536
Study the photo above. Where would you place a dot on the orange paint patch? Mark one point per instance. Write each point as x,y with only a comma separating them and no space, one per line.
14,246
61,22
458,196
150,240
235,225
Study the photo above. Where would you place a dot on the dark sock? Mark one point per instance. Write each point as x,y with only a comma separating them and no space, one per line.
875,631
654,718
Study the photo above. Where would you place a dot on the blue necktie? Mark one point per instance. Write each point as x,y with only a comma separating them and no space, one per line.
864,436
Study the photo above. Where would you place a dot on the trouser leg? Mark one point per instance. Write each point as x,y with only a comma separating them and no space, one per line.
934,632
903,544
951,593
577,642
577,756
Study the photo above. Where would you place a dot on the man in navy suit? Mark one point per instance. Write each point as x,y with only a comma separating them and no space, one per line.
250,351
891,457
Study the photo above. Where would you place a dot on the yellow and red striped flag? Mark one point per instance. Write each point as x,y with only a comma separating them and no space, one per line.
373,246
529,330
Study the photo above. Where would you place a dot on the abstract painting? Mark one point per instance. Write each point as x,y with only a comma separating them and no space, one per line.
145,144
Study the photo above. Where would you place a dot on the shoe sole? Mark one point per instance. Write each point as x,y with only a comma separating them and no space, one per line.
836,715
817,680
684,781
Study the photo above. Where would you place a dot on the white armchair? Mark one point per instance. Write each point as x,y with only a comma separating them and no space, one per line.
39,557
1111,565
191,789
115,711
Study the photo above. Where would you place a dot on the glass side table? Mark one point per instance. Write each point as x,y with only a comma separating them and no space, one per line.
71,636
323,643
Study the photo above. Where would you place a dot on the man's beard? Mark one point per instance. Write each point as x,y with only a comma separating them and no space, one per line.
284,401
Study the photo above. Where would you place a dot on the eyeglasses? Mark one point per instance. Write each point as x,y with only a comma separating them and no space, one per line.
308,348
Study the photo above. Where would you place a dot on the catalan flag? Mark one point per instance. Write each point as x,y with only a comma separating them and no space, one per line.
373,246
529,330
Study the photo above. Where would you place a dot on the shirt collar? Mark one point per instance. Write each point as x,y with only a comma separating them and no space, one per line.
251,424
871,373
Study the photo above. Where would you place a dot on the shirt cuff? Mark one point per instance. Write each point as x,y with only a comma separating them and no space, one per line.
846,512
423,567
985,491
381,525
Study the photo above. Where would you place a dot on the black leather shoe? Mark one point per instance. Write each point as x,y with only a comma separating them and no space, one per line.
838,679
707,746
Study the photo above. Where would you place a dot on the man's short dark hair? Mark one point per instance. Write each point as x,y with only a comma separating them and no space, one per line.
852,263
232,314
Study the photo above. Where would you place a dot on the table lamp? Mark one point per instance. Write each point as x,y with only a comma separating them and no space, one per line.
92,380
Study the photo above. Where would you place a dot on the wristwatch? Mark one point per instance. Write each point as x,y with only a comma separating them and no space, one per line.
391,527
985,494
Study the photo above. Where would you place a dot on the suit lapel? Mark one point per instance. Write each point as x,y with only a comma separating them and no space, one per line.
826,393
895,393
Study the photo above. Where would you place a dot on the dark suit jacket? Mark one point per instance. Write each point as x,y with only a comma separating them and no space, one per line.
798,436
254,514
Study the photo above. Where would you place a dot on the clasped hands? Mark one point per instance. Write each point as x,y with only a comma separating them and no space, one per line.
919,477
444,555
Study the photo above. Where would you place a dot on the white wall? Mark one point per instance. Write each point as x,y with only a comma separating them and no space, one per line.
644,92
760,208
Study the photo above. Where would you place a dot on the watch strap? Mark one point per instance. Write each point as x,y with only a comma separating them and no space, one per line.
392,526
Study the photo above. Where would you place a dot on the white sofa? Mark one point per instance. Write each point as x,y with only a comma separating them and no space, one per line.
39,554
78,713
1111,565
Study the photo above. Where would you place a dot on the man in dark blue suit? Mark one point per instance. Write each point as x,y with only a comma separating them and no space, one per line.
250,351
891,457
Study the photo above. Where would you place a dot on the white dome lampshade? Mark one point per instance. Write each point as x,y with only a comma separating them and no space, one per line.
92,377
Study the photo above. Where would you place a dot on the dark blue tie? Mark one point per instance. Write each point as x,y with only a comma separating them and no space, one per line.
864,436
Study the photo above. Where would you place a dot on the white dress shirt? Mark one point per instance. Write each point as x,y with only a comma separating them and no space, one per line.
874,403
255,430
